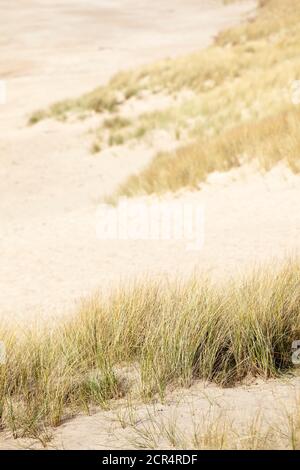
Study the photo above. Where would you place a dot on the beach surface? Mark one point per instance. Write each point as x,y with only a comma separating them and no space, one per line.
51,187
50,183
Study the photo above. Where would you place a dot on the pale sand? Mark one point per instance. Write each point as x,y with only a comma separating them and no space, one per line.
51,185
259,410
267,403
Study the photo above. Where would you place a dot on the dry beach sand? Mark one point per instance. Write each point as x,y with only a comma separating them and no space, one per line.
51,185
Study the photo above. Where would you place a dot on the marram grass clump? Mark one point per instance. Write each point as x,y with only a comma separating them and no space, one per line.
239,106
170,333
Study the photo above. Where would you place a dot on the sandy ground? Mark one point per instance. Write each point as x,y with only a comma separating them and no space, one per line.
268,403
51,51
259,412
51,185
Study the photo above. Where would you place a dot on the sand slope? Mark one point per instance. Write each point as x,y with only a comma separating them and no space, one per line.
50,184
260,412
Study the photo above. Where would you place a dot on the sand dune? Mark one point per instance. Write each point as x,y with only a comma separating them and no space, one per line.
50,184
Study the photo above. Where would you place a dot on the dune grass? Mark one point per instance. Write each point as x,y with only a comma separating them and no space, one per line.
213,430
169,334
241,108
176,333
269,141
